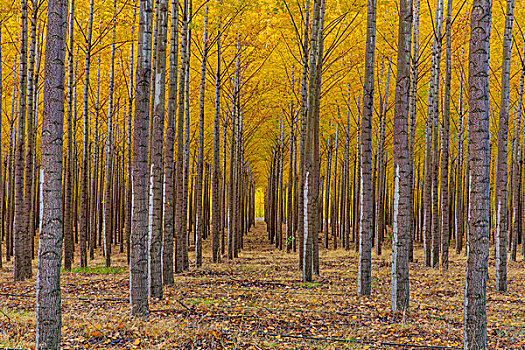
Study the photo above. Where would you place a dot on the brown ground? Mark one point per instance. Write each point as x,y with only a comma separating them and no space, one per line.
259,302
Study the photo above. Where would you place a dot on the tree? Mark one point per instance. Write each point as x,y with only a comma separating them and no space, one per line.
327,195
302,138
199,217
500,204
413,114
2,166
445,206
366,198
68,205
139,230
167,244
157,135
21,234
180,222
112,118
311,163
216,201
48,304
475,314
84,200
402,227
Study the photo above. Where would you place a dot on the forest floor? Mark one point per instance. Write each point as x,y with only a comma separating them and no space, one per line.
259,302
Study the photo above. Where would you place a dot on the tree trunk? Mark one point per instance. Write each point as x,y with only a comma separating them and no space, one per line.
95,190
500,208
84,200
68,237
139,229
180,230
216,181
2,166
304,109
223,185
459,173
327,194
436,235
365,225
200,158
186,140
128,191
475,314
157,134
22,266
335,207
167,244
291,178
413,115
48,305
445,207
402,221
380,195
311,164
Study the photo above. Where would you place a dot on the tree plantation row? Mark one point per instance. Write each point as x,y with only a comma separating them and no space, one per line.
147,127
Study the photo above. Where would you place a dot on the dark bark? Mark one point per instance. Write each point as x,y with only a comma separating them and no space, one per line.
139,230
475,316
48,304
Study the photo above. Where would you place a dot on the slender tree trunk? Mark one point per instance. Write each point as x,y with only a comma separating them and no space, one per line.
304,109
291,178
22,266
516,189
68,237
445,207
317,104
2,166
48,304
327,195
412,121
139,229
10,170
157,134
279,241
112,117
128,191
216,181
95,192
186,139
84,200
402,220
180,230
231,196
514,240
346,171
200,158
365,225
335,207
223,185
500,209
167,244
357,179
380,195
311,164
436,235
459,173
475,314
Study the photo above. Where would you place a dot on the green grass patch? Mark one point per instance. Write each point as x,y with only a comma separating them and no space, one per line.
207,302
102,270
308,285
